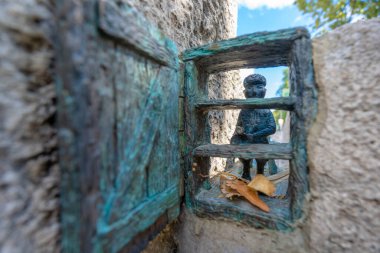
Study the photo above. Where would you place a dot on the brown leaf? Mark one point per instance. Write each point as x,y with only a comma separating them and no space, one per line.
249,194
227,191
262,184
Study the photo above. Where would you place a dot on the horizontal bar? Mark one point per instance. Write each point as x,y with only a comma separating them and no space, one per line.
244,41
282,103
256,50
246,151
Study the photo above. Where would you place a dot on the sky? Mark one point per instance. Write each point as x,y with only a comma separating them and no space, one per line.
268,15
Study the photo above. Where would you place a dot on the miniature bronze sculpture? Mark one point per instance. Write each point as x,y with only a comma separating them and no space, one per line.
254,125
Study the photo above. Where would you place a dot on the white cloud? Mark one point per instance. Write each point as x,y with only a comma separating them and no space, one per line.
254,4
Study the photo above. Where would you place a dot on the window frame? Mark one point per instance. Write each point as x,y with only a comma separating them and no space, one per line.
287,47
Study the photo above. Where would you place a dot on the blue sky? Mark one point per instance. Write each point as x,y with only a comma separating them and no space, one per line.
257,15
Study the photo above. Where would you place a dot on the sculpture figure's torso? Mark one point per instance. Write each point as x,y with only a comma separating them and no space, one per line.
254,120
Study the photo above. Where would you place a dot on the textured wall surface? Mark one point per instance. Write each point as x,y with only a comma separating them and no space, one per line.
191,23
344,144
29,174
204,235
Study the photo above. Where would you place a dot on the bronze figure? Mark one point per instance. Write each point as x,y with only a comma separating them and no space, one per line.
254,125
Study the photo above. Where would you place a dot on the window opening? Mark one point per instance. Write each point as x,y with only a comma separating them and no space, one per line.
229,85
289,48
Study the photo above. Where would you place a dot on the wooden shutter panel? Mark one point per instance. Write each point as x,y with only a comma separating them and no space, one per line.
117,89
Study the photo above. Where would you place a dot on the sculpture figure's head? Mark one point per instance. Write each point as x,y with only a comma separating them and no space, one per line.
255,86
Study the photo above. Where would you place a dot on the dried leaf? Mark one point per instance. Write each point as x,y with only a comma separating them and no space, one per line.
249,194
227,191
262,184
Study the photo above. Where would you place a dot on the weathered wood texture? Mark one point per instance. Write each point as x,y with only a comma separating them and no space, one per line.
262,49
289,47
208,204
197,131
118,111
282,103
302,86
260,151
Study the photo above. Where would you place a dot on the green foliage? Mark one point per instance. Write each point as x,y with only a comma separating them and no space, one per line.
282,91
279,114
329,14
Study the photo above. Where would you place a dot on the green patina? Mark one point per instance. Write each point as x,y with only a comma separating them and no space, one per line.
118,112
243,41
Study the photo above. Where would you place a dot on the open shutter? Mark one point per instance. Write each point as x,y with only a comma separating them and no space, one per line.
117,90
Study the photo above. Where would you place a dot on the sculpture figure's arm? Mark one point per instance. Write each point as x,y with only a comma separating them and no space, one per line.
270,127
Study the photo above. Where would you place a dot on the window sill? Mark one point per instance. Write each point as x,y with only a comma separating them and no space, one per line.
209,204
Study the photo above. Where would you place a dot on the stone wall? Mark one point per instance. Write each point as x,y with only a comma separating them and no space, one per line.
29,174
190,23
344,143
